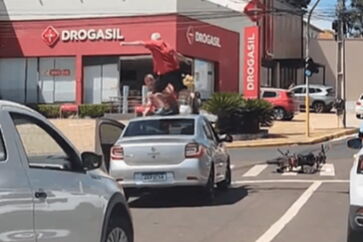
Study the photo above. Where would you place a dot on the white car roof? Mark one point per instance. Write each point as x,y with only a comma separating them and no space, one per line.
155,117
312,85
10,104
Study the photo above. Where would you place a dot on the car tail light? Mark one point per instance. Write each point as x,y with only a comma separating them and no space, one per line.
117,152
358,103
193,150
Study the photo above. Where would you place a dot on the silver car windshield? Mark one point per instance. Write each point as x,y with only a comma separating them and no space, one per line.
160,127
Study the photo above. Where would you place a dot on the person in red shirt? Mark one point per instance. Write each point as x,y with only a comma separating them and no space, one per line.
166,67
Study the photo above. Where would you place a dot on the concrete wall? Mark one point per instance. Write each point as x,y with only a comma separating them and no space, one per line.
354,69
325,52
287,33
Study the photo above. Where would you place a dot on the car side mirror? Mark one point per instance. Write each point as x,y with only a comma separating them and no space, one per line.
91,161
225,138
355,144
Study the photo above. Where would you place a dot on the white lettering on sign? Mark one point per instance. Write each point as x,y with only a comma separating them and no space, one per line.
251,62
207,39
91,34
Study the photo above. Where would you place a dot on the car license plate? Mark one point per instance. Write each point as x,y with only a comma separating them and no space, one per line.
154,177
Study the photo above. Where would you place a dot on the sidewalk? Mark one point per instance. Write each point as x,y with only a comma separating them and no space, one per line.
323,127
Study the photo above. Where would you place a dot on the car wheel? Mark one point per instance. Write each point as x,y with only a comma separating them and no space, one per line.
223,185
119,230
208,190
352,235
289,117
279,113
319,107
127,194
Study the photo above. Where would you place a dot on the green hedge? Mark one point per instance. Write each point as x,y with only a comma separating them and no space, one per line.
93,110
237,115
85,110
48,110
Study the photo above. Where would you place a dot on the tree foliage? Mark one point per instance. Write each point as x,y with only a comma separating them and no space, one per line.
357,3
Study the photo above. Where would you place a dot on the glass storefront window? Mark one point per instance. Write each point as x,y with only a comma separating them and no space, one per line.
38,80
204,75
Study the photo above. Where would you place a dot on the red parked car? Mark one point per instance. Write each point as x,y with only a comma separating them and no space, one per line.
282,101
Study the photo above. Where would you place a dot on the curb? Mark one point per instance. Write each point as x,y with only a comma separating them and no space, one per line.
292,142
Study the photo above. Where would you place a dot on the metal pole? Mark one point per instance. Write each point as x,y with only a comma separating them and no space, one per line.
341,60
307,53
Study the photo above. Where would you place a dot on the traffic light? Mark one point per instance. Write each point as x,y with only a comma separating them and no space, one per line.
311,67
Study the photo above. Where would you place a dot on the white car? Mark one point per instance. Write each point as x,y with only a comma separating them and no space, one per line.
321,97
355,220
359,107
167,151
50,192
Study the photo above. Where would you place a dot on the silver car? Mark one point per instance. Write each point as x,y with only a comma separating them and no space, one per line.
321,97
48,192
168,151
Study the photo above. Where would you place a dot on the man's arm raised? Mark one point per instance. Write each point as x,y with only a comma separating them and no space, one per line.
182,58
133,43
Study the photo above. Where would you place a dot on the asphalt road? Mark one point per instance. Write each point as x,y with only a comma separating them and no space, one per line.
262,205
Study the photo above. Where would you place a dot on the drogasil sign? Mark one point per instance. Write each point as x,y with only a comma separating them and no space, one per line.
51,36
202,37
251,68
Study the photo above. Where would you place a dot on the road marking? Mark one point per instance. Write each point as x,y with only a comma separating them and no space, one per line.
277,227
290,173
255,170
286,181
294,172
327,170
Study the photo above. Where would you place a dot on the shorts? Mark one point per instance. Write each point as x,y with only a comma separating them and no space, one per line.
173,77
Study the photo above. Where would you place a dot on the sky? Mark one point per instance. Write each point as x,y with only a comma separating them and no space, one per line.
322,16
324,13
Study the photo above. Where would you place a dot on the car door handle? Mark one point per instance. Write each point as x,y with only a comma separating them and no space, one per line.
40,195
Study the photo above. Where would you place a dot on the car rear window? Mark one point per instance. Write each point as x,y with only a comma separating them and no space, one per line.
160,127
269,94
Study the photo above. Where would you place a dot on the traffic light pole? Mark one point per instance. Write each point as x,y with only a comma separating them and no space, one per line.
307,54
340,84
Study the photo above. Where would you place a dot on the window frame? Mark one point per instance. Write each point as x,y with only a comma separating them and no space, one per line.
73,156
2,141
272,92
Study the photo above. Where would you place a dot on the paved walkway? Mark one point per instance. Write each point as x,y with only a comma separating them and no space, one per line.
323,127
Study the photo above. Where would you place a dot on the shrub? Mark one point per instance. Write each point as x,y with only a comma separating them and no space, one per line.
237,115
223,103
48,110
93,110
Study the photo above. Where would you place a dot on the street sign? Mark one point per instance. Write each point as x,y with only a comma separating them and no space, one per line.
254,10
252,62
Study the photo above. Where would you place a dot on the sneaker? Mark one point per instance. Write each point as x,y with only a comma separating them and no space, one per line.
168,112
159,111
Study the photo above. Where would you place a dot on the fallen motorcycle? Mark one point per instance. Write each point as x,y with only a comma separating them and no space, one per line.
309,163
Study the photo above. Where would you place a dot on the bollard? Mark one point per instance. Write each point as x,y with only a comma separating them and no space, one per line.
125,97
144,92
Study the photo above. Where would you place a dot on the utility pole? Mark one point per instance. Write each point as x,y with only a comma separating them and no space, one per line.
340,83
307,56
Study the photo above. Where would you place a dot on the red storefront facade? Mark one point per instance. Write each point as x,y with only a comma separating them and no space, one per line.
91,38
